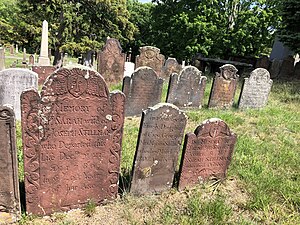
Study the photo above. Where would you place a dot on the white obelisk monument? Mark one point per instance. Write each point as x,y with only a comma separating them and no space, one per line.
44,59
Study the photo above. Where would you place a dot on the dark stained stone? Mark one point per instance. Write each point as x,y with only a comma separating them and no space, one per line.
72,137
256,90
12,83
187,89
159,142
150,56
171,66
9,182
43,72
297,70
143,89
287,67
275,68
111,61
263,62
206,153
223,88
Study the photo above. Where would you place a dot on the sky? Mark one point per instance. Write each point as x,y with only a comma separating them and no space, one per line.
144,1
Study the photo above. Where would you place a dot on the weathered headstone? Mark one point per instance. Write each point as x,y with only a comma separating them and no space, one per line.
72,137
206,153
223,88
187,89
12,83
31,60
256,89
2,59
9,185
287,67
275,68
160,137
143,89
43,72
150,56
171,66
263,62
44,59
12,50
297,70
111,61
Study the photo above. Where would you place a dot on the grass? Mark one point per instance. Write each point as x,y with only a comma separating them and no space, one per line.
263,182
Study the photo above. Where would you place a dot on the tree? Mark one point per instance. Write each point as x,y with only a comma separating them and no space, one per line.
289,32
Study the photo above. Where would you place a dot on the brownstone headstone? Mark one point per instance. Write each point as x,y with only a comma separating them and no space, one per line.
206,153
263,62
12,50
159,143
72,137
111,61
43,72
187,88
9,182
150,56
143,89
171,66
223,88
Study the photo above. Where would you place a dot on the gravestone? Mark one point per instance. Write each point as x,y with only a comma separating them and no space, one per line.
24,60
43,58
159,142
206,153
31,60
128,69
150,56
171,66
275,68
287,67
12,50
187,89
263,62
256,90
297,70
2,59
9,186
223,88
111,61
142,90
43,72
12,83
72,137
17,48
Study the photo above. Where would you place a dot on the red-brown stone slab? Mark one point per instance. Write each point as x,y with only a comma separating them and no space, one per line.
159,142
150,56
111,61
224,87
9,182
43,72
263,62
206,153
72,137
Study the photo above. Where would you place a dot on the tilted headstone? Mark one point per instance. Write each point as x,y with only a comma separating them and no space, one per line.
297,70
72,137
263,62
9,183
143,89
187,89
287,67
150,56
43,72
156,157
275,68
224,87
111,61
171,66
206,153
12,83
2,59
256,89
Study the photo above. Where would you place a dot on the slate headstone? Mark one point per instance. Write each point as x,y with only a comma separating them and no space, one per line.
2,59
150,56
287,67
9,186
224,87
171,66
143,89
263,62
159,142
206,153
275,68
43,72
12,83
72,137
256,90
111,61
187,89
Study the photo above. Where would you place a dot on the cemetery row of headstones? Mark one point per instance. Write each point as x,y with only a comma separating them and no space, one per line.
72,137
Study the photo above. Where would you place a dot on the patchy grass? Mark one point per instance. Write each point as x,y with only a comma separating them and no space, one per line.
263,183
